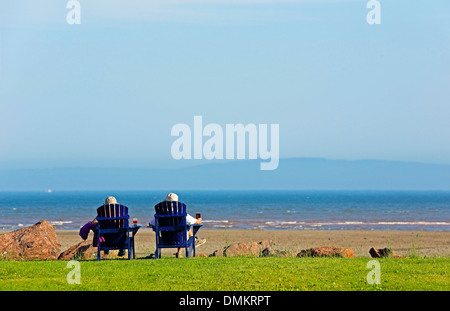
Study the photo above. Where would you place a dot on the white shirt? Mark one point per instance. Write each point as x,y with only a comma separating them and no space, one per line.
189,220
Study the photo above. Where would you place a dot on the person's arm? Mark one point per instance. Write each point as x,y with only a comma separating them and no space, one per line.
152,222
84,231
192,221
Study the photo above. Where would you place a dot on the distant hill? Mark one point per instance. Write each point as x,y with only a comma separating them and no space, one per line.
294,173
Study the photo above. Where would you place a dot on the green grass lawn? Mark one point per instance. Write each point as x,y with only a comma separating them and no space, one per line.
228,274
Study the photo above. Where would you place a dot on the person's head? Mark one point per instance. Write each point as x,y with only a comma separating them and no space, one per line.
171,197
110,200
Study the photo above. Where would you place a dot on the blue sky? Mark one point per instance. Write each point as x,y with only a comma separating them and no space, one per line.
108,91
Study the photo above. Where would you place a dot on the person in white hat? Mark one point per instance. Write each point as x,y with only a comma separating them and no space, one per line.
172,197
110,200
94,223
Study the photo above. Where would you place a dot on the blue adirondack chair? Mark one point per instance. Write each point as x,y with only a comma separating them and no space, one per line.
114,229
171,229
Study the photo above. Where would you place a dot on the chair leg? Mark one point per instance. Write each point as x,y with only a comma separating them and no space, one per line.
129,244
192,246
189,249
157,255
99,250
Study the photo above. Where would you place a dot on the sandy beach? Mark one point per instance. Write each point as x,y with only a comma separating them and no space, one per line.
423,243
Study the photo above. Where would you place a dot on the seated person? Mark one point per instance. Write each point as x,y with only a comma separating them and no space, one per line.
189,221
84,231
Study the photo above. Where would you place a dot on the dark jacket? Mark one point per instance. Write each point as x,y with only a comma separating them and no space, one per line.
84,232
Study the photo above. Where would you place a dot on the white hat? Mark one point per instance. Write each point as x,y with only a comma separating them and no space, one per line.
110,200
171,197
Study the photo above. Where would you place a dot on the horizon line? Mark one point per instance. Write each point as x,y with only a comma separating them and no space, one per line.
204,162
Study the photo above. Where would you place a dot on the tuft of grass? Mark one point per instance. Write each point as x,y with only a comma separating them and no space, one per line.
414,251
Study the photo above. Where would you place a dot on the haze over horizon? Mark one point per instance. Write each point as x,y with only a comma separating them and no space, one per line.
292,174
167,164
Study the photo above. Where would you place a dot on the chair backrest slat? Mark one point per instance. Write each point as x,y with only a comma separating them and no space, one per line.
112,211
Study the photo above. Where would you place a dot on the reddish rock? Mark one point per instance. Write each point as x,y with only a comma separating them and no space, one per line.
243,249
85,250
254,249
272,252
38,241
278,253
217,253
383,252
82,250
327,251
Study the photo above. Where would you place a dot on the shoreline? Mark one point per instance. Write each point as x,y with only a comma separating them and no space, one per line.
421,243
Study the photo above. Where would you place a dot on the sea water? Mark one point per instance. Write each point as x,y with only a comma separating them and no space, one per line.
268,210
